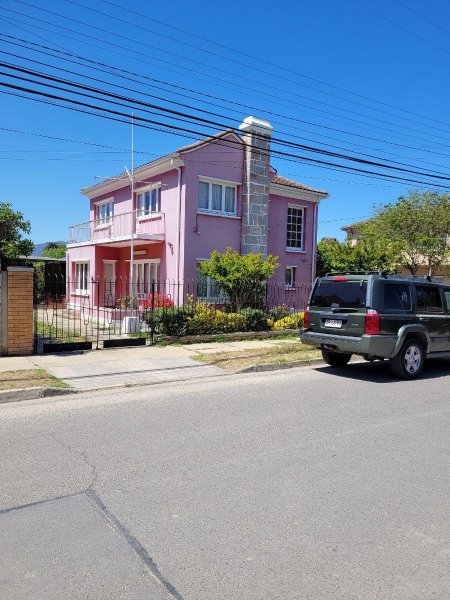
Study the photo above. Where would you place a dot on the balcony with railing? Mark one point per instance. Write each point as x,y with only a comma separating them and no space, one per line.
145,225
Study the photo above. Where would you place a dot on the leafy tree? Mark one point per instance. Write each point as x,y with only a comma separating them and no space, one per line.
55,250
367,254
416,228
12,227
240,277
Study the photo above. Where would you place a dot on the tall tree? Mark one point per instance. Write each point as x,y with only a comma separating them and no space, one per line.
368,254
12,228
55,250
416,228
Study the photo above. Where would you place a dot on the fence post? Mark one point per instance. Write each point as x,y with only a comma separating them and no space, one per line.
3,313
152,315
98,311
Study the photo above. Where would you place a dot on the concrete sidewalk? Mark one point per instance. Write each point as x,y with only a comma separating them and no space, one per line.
130,366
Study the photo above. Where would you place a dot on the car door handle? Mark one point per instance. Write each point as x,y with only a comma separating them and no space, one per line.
423,319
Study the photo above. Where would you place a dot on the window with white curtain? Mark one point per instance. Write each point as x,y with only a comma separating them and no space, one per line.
104,212
149,202
146,271
81,277
216,196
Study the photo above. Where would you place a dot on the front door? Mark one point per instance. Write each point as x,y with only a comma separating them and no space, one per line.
109,284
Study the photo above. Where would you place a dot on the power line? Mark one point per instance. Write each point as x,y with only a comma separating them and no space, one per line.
143,122
186,117
395,24
422,16
227,81
264,111
189,106
277,66
138,25
219,163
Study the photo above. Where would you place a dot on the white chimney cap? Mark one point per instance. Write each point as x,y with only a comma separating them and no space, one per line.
255,125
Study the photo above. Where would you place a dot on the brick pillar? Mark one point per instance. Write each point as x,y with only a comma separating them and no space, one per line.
19,311
255,201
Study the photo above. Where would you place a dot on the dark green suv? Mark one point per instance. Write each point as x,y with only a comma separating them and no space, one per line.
379,317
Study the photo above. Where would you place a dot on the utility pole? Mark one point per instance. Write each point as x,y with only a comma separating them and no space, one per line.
133,215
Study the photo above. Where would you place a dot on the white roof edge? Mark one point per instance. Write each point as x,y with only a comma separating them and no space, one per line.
156,167
291,192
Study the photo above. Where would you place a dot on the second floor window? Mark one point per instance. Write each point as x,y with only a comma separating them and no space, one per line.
104,212
295,220
215,196
149,202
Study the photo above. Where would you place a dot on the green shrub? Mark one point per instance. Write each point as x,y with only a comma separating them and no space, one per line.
255,319
294,321
174,321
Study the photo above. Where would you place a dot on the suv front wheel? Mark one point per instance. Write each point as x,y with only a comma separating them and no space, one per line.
409,362
335,359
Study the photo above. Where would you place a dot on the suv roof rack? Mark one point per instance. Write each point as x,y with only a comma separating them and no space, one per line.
381,273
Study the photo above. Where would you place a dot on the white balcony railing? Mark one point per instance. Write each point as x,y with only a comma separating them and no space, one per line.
145,225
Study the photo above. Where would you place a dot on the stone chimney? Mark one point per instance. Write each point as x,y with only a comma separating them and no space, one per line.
255,202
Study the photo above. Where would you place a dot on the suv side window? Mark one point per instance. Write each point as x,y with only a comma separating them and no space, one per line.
428,299
447,297
397,296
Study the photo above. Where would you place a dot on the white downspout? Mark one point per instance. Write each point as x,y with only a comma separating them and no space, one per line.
177,263
314,242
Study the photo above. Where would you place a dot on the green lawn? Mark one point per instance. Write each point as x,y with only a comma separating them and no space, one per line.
26,378
281,354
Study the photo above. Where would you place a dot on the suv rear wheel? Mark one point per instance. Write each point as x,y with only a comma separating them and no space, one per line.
335,359
409,362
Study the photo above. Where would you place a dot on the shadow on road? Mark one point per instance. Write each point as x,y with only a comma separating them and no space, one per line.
379,372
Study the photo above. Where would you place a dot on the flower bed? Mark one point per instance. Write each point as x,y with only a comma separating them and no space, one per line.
206,319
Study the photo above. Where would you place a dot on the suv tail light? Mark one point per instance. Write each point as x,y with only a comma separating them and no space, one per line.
306,318
372,325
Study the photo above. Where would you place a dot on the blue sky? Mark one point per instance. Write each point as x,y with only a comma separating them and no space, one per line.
358,72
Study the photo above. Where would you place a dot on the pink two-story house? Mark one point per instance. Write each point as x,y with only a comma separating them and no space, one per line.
216,193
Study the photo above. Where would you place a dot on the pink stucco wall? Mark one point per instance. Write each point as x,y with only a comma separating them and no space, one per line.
203,233
278,207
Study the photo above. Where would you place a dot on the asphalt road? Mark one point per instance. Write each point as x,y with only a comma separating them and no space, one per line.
301,484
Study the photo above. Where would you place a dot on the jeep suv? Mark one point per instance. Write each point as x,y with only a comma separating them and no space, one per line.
402,319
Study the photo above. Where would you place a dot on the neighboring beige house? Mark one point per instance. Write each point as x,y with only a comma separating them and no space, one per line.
441,274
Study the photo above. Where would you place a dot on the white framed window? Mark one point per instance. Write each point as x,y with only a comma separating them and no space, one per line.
145,272
104,212
149,202
207,288
289,277
81,274
217,196
295,227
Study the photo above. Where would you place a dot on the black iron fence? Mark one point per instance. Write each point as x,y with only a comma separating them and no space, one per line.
86,313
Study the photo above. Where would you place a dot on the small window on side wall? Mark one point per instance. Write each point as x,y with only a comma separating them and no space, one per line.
289,277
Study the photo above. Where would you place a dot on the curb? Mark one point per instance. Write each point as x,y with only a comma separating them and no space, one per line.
33,393
280,366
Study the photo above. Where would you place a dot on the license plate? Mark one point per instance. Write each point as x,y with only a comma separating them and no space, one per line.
333,323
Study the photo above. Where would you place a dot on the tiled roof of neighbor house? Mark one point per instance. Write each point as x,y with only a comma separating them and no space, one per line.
294,184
